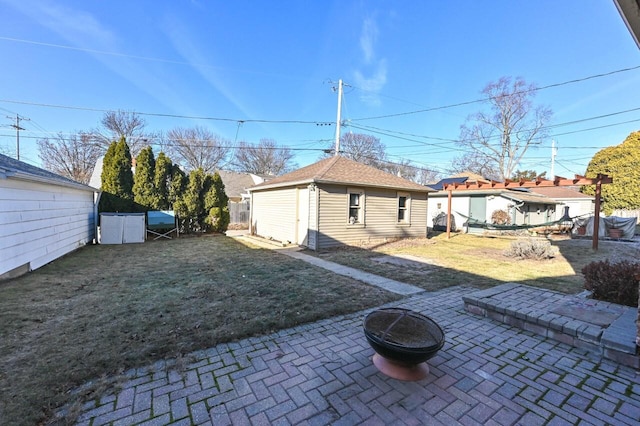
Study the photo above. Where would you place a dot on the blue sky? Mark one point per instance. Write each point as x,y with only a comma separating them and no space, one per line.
237,61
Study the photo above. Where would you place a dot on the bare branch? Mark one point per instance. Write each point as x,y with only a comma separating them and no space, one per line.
266,158
197,147
73,156
117,124
362,148
497,141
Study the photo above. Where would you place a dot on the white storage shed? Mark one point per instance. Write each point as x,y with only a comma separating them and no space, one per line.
42,216
122,228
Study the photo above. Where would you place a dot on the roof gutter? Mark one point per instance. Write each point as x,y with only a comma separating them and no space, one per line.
39,179
333,182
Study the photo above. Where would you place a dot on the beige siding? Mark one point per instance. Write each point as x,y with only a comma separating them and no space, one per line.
273,214
380,221
40,222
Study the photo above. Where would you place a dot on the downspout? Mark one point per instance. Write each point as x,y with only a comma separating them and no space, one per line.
95,215
250,212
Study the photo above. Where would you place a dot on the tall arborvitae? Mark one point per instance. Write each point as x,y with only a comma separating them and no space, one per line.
117,179
190,207
162,182
178,184
216,204
108,179
122,174
144,191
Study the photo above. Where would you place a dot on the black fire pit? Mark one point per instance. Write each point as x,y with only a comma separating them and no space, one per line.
403,341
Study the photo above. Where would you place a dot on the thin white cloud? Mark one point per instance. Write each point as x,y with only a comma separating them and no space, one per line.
368,37
82,29
372,85
73,25
178,34
373,81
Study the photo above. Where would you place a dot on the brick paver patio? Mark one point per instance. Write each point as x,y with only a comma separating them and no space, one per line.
488,373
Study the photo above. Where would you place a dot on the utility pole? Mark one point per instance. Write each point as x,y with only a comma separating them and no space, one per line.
554,151
18,128
338,119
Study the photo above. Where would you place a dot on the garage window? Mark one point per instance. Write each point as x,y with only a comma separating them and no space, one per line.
404,207
355,199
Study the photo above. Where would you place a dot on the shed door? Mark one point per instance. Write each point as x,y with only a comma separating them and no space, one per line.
477,211
302,217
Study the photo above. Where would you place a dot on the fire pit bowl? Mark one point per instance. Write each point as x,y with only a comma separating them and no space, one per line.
403,337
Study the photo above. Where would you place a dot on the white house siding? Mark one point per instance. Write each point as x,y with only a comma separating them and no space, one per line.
577,207
313,219
41,222
273,214
458,205
380,217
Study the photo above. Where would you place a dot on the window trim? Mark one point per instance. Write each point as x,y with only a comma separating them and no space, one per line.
361,207
406,208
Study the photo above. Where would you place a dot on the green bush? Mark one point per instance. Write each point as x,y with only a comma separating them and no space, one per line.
531,248
613,282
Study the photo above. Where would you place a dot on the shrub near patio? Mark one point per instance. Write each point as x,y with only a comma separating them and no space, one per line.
614,282
105,309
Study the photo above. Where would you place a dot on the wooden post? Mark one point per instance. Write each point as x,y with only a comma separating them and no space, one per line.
449,214
596,216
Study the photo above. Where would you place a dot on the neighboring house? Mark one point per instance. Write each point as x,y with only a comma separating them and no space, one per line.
96,175
523,207
337,201
579,204
235,186
42,216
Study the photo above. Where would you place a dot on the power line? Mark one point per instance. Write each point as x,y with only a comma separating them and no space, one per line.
199,142
394,133
549,86
144,58
152,114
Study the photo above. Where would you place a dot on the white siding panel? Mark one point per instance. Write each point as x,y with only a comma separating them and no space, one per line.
274,214
459,204
313,219
41,222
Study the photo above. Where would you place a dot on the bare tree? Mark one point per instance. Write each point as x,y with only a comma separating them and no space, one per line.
498,139
404,168
266,158
117,124
6,150
362,148
70,156
472,162
197,147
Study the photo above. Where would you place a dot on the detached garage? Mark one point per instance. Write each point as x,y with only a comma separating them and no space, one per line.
337,201
42,216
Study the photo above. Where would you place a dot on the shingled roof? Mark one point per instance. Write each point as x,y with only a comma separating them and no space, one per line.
341,170
561,192
12,168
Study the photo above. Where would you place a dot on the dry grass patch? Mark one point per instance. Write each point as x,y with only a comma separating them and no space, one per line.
480,261
105,309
